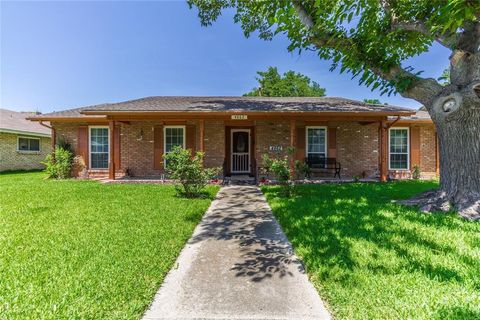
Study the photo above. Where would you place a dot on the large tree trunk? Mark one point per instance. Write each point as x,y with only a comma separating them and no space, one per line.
457,119
455,109
459,142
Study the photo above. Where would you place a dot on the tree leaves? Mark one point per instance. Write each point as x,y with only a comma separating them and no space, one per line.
292,84
374,42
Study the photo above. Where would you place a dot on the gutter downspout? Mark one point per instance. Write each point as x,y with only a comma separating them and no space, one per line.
394,121
45,125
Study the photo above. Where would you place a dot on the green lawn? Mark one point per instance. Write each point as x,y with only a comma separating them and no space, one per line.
80,249
372,259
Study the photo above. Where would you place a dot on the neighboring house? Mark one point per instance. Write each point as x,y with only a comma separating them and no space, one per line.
132,136
23,144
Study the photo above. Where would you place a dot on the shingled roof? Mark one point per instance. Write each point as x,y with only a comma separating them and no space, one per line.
246,104
231,104
16,122
419,116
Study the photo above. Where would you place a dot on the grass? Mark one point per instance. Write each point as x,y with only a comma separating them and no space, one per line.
80,249
373,259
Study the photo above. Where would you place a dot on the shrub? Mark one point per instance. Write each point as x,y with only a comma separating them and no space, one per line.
267,166
416,172
58,165
62,143
267,163
281,170
188,171
303,168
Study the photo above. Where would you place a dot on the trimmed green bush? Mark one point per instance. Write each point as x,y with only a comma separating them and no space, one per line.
188,171
281,170
58,165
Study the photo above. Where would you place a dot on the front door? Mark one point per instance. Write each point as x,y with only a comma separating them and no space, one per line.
240,150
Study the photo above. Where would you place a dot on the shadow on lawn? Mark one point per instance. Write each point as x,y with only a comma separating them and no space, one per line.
264,249
457,313
325,220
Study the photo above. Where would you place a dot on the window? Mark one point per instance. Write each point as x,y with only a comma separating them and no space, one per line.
316,144
174,136
28,144
99,148
399,147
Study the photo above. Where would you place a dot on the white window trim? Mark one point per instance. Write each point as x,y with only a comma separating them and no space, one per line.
165,139
90,147
408,149
29,151
306,139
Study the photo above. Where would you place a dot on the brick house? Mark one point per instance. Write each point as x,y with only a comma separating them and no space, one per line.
131,137
23,144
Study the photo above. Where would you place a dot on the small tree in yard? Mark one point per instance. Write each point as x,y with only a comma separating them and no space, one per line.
280,168
370,39
188,171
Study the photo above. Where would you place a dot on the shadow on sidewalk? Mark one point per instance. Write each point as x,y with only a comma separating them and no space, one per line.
242,215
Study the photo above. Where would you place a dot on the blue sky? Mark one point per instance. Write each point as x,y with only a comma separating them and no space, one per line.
60,55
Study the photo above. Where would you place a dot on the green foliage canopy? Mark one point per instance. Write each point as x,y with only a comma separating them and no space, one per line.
372,101
368,38
291,84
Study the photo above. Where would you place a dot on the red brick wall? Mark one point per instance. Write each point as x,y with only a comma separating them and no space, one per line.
68,132
137,154
357,148
427,149
214,143
271,133
357,144
136,150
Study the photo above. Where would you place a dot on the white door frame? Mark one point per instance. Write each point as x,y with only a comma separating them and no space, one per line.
249,152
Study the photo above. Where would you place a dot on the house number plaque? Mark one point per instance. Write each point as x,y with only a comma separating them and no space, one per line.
239,117
276,148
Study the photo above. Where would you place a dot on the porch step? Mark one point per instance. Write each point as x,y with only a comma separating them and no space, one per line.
239,180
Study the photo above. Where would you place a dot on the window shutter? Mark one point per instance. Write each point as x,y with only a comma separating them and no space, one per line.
414,147
332,143
158,148
190,138
300,144
116,142
82,144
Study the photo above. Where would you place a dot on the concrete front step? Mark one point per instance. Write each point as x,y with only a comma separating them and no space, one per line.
239,180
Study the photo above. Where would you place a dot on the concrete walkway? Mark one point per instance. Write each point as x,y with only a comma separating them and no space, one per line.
237,265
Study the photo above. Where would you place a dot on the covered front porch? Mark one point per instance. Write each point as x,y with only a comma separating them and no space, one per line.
236,142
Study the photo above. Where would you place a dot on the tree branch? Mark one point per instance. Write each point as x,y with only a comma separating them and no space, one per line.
302,13
447,40
421,89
